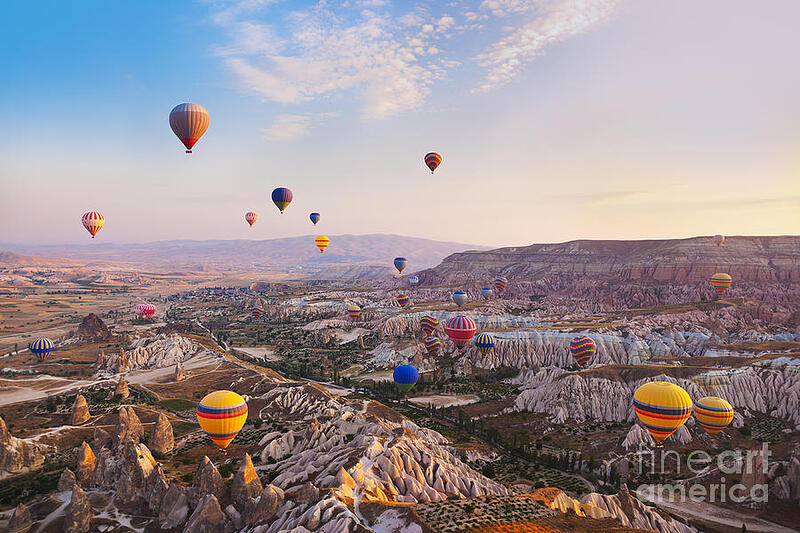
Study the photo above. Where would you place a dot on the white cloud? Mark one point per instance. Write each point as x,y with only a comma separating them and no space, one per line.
553,21
291,127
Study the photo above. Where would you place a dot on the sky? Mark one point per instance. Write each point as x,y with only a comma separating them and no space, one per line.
556,119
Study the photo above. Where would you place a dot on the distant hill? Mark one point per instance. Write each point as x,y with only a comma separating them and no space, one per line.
294,254
673,260
11,259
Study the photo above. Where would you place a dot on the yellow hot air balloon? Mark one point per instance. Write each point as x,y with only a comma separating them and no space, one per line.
721,282
662,408
221,415
322,242
713,414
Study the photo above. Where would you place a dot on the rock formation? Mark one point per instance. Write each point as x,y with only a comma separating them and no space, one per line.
87,462
174,507
207,480
101,438
129,427
162,350
246,484
80,411
121,362
134,471
20,521
207,516
100,361
265,506
122,391
18,455
162,438
633,513
180,372
92,329
78,513
67,481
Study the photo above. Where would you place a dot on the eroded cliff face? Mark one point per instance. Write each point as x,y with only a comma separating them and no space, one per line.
18,455
150,352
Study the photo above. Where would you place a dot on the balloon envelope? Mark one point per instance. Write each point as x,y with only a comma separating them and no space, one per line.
500,283
354,311
41,348
485,343
403,299
582,349
400,263
189,122
221,415
713,414
460,298
432,160
719,239
413,280
432,344
251,218
662,408
257,311
322,242
314,218
282,197
486,292
405,376
93,221
429,323
721,282
145,310
460,329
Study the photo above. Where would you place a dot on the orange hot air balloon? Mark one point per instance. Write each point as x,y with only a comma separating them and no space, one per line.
432,160
93,221
721,282
322,242
189,122
251,218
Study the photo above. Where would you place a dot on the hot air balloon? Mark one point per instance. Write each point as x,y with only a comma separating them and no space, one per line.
221,415
486,292
429,323
403,299
719,239
583,349
251,218
721,282
405,377
314,218
460,329
413,280
460,298
354,312
189,122
500,284
662,408
257,311
282,197
432,160
93,221
713,414
145,310
432,344
400,263
41,348
485,343
322,242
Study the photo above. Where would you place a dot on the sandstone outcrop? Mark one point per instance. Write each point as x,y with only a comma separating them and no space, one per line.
18,455
633,513
21,521
162,438
180,372
264,507
86,464
174,507
162,350
129,427
122,392
67,481
207,480
80,411
101,438
78,513
207,516
93,329
246,484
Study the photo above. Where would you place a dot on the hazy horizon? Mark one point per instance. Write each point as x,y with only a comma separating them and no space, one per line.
557,120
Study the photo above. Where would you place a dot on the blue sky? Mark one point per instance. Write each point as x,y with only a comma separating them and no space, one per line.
557,119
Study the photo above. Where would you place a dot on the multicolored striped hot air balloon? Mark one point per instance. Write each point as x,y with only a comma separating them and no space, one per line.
428,323
662,408
257,311
486,292
353,311
433,160
314,217
432,344
282,197
400,263
582,349
41,348
721,282
322,242
500,284
189,122
460,329
713,414
405,377
413,280
221,415
403,299
145,310
460,298
93,221
719,239
485,343
251,218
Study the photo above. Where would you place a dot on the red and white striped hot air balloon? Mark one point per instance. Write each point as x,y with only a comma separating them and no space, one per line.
145,310
189,122
93,221
460,329
251,218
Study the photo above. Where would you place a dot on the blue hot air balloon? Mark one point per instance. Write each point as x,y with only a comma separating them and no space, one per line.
400,263
314,218
486,292
460,298
41,348
282,197
413,280
405,377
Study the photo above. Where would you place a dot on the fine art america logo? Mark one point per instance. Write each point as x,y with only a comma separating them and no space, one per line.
737,476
